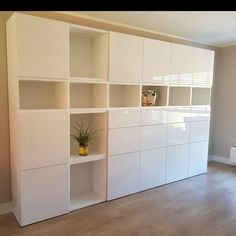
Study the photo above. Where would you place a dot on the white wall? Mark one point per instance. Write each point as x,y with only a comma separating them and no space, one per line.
224,128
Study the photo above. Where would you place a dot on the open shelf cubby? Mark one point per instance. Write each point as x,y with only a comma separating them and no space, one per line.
42,94
201,96
87,184
124,95
88,95
161,91
179,96
98,147
88,53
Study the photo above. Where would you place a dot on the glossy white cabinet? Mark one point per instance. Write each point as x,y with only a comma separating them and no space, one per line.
146,146
156,61
42,47
124,118
44,193
182,64
153,136
125,57
198,158
199,113
199,131
179,114
152,168
154,116
177,163
178,133
123,140
203,67
123,175
44,139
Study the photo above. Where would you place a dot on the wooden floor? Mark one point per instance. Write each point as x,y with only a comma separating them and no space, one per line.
202,205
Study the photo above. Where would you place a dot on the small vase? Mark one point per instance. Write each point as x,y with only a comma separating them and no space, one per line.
83,150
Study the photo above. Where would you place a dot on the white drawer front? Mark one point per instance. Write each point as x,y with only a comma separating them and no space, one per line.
200,113
153,136
123,175
123,140
199,131
124,118
154,116
178,133
179,114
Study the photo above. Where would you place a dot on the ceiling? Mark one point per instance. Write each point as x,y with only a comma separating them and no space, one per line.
216,28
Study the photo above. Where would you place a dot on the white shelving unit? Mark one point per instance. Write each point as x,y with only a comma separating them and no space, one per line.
87,184
162,94
75,159
88,53
122,95
98,121
58,78
88,95
42,94
179,96
201,96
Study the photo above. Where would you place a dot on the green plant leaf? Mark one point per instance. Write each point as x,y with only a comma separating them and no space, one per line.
84,135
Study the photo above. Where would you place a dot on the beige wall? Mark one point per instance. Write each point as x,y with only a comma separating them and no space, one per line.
224,134
5,193
5,187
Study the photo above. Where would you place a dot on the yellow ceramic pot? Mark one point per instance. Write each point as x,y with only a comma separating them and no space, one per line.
83,150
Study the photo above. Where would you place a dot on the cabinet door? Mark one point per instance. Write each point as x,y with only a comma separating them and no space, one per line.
125,57
124,118
44,193
44,139
199,131
152,168
182,64
153,136
123,175
198,158
203,67
154,116
177,162
42,47
156,61
178,133
123,140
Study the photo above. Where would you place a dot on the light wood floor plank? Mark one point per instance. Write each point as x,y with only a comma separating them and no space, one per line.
204,205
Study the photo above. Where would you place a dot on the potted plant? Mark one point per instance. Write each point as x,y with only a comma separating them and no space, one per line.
84,135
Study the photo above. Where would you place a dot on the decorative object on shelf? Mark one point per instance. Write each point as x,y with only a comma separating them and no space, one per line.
84,135
149,97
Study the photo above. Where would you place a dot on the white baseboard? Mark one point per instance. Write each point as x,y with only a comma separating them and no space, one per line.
221,159
5,208
210,158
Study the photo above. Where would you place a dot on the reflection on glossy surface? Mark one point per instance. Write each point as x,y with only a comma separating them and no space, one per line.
178,133
153,136
179,114
154,116
124,140
124,118
200,113
199,131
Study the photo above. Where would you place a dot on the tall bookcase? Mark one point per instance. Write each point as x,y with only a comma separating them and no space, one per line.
62,74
